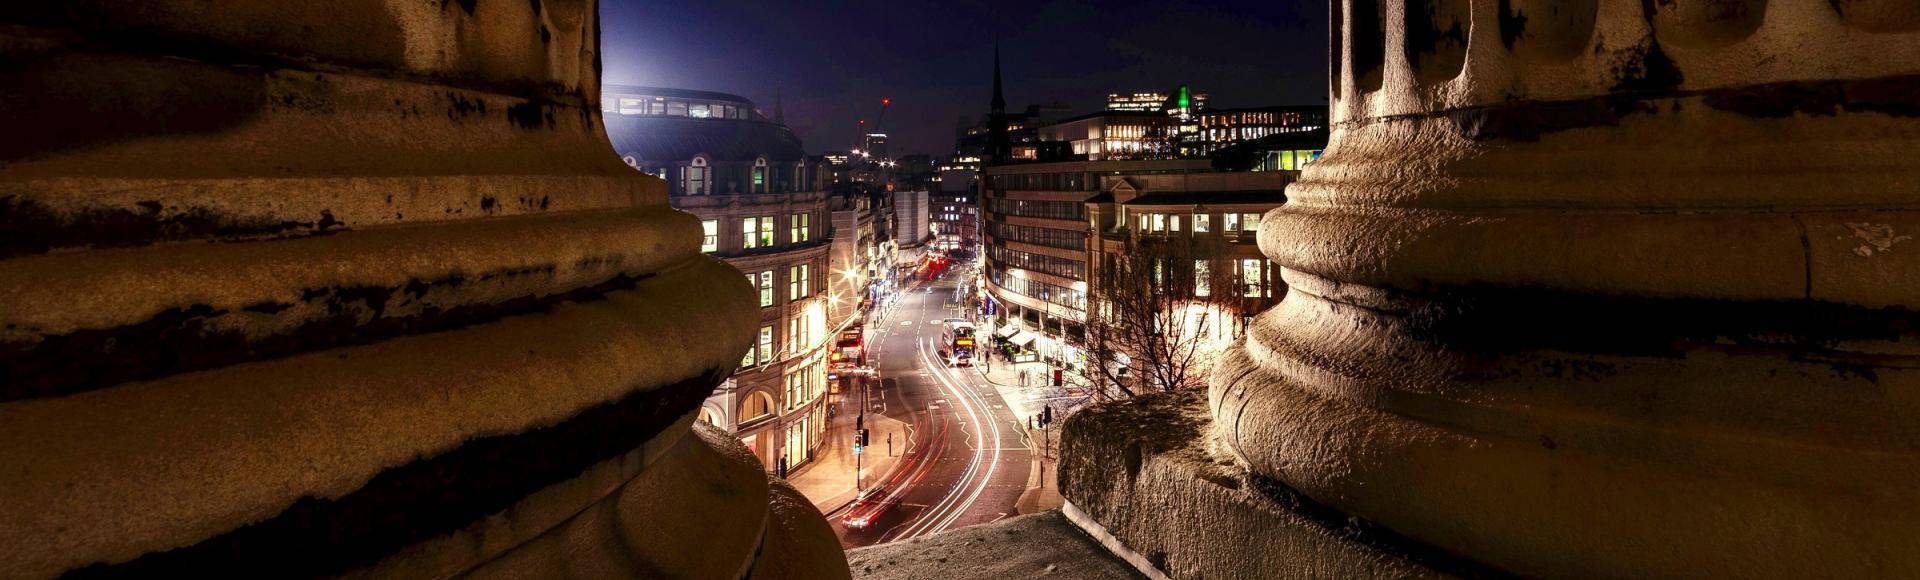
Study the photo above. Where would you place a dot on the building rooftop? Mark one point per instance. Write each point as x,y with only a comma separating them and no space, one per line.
1113,113
1183,198
675,93
650,138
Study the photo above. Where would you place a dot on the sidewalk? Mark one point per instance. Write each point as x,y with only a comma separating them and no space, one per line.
1043,489
828,480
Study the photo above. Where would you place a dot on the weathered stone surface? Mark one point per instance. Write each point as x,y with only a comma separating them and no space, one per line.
1144,470
1615,289
799,542
1042,545
635,532
358,288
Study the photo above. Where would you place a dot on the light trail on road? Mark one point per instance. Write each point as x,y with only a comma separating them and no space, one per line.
947,376
936,486
961,497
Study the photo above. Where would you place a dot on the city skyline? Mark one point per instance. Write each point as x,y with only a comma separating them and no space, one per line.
939,63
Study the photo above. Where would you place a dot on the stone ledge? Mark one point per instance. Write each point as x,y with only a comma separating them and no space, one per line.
1042,545
1144,469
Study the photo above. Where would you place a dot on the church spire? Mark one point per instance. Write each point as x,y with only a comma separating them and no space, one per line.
999,100
779,111
999,149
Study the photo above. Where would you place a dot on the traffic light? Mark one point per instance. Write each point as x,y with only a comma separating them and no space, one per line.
863,437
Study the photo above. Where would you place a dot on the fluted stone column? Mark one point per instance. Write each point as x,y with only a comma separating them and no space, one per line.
1605,289
355,288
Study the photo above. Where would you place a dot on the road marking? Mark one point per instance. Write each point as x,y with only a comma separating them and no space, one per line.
958,499
906,323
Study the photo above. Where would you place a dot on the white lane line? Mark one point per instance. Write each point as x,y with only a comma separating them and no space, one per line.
955,509
974,403
929,517
952,506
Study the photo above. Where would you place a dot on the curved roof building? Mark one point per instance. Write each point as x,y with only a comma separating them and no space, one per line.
763,208
662,131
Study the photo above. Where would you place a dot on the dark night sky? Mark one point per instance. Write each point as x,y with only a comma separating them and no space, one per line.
834,60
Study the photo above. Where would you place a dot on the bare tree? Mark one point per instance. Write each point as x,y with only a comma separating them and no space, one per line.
1159,311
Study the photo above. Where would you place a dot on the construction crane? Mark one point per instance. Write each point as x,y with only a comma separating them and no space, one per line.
860,139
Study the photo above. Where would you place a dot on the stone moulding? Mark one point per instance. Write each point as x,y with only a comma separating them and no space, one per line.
1612,289
356,288
302,426
222,303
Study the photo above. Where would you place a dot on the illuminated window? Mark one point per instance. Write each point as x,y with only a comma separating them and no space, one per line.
758,405
699,111
794,390
1202,286
1173,223
710,240
1159,222
1250,277
1202,222
765,346
793,335
760,175
756,232
1231,222
762,351
798,282
695,182
765,284
800,227
1250,222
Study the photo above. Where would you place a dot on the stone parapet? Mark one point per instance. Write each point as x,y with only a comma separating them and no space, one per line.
1148,472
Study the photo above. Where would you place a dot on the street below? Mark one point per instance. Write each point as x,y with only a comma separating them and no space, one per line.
967,458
